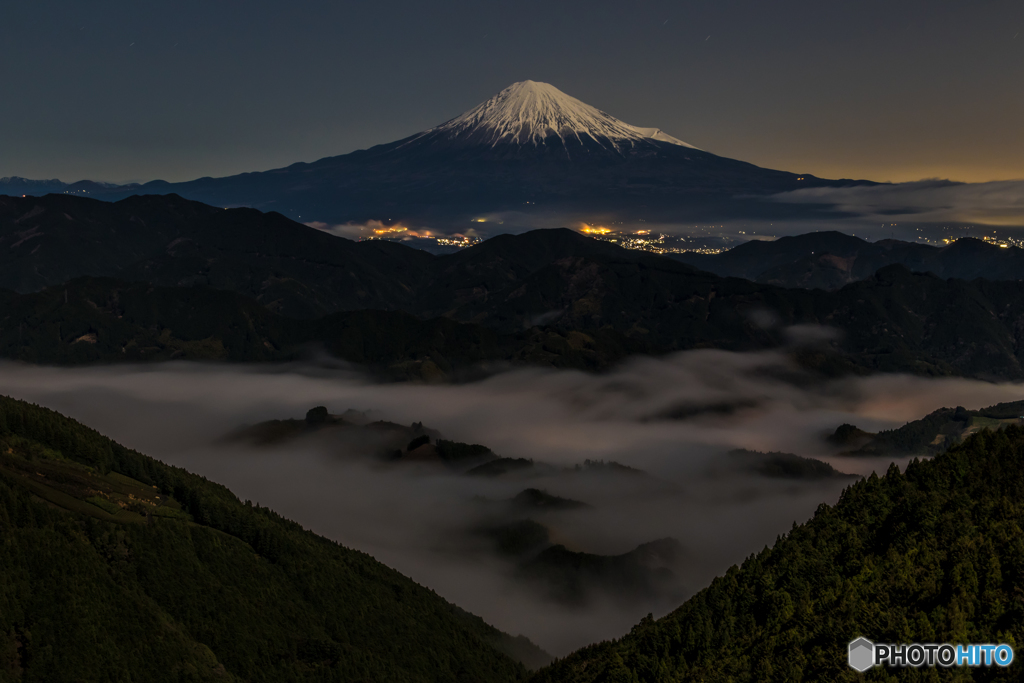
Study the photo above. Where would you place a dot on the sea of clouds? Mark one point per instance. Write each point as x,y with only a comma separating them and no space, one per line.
414,519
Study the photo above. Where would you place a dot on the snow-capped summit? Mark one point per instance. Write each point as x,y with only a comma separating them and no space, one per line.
531,152
529,112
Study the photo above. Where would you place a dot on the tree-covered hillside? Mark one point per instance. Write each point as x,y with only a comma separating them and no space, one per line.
546,297
99,320
831,260
929,435
116,567
932,555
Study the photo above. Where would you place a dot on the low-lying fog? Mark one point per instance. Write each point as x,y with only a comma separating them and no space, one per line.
414,519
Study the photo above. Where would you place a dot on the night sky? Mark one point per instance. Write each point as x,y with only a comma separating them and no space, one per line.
886,90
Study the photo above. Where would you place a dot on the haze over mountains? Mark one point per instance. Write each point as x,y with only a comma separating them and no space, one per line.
889,558
529,150
119,565
677,418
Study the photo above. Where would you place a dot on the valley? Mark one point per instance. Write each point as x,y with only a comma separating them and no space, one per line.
335,348
531,548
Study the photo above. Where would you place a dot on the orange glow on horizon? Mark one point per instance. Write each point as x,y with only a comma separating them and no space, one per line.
377,230
395,229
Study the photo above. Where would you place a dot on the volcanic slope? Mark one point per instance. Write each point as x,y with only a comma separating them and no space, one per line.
530,149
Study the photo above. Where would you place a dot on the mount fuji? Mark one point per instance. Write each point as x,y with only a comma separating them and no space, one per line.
538,117
529,150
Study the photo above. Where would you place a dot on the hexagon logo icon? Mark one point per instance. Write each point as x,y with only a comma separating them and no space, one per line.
862,654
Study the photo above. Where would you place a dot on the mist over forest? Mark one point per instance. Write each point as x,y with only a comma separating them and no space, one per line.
675,418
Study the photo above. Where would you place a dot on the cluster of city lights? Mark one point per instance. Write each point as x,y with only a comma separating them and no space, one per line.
1005,243
646,240
460,241
1002,242
389,231
400,233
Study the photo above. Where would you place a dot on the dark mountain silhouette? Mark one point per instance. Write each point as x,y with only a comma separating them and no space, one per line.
98,320
171,241
553,297
830,260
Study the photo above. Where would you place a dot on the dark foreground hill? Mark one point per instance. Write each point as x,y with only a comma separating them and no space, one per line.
114,566
830,260
930,556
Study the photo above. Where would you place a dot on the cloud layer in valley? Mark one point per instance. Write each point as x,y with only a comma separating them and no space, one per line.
999,203
674,418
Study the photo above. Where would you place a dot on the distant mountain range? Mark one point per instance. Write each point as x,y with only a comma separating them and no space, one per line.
830,260
529,149
548,297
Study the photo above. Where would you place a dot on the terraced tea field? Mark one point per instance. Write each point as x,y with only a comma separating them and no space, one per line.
73,486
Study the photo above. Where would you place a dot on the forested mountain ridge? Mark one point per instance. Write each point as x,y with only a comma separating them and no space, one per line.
830,260
115,565
169,241
99,320
555,297
931,555
929,435
896,322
